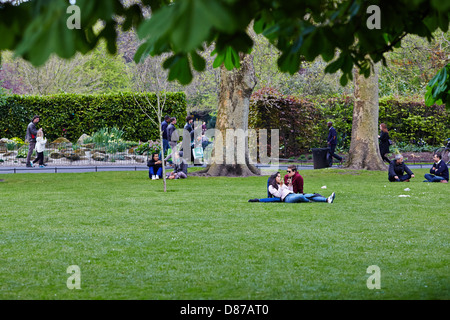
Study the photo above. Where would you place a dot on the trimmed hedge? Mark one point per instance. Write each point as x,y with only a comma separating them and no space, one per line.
71,115
302,123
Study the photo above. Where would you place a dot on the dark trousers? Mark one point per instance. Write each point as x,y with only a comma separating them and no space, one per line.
331,154
385,159
401,178
40,158
31,146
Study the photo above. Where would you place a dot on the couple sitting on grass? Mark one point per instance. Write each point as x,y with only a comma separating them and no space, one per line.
291,191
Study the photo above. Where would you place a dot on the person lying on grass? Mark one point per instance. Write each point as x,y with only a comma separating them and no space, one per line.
278,189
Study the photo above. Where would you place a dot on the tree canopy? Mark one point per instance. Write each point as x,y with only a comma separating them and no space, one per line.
301,30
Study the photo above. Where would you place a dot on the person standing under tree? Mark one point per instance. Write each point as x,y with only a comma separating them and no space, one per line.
384,142
31,138
332,143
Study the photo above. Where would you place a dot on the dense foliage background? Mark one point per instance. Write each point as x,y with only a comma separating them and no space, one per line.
302,122
71,115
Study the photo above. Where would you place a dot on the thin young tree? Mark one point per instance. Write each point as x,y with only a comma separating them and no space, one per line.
152,78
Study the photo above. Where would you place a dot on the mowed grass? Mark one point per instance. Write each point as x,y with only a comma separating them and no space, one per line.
203,240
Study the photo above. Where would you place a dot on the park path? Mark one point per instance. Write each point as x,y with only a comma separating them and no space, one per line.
79,169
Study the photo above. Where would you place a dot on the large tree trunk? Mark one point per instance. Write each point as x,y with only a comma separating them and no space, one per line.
364,151
236,87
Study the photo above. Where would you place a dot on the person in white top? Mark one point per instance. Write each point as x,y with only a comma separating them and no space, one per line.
286,194
40,147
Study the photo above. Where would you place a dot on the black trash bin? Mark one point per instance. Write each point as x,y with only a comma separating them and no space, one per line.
320,156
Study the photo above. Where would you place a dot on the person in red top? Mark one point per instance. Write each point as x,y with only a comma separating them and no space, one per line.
294,179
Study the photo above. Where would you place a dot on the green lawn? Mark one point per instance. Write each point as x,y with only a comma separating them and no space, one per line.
203,240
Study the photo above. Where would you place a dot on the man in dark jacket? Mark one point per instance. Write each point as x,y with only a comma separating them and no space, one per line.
397,170
439,171
189,127
31,138
166,146
332,142
294,178
172,136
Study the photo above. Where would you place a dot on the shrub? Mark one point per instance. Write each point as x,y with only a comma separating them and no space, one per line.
149,147
295,118
71,115
22,152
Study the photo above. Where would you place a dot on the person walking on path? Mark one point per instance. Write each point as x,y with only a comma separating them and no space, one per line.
31,138
384,142
40,147
332,143
438,172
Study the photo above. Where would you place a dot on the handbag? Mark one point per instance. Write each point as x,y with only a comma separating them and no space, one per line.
198,153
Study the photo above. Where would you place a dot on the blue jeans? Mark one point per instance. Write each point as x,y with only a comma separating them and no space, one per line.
433,178
274,199
166,147
307,197
151,172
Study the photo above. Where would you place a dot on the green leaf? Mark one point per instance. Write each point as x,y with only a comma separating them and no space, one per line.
160,23
231,59
259,26
218,60
179,68
217,14
289,62
197,61
192,27
312,45
335,65
343,80
328,50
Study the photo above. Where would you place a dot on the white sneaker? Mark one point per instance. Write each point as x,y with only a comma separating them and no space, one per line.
153,177
156,177
330,199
